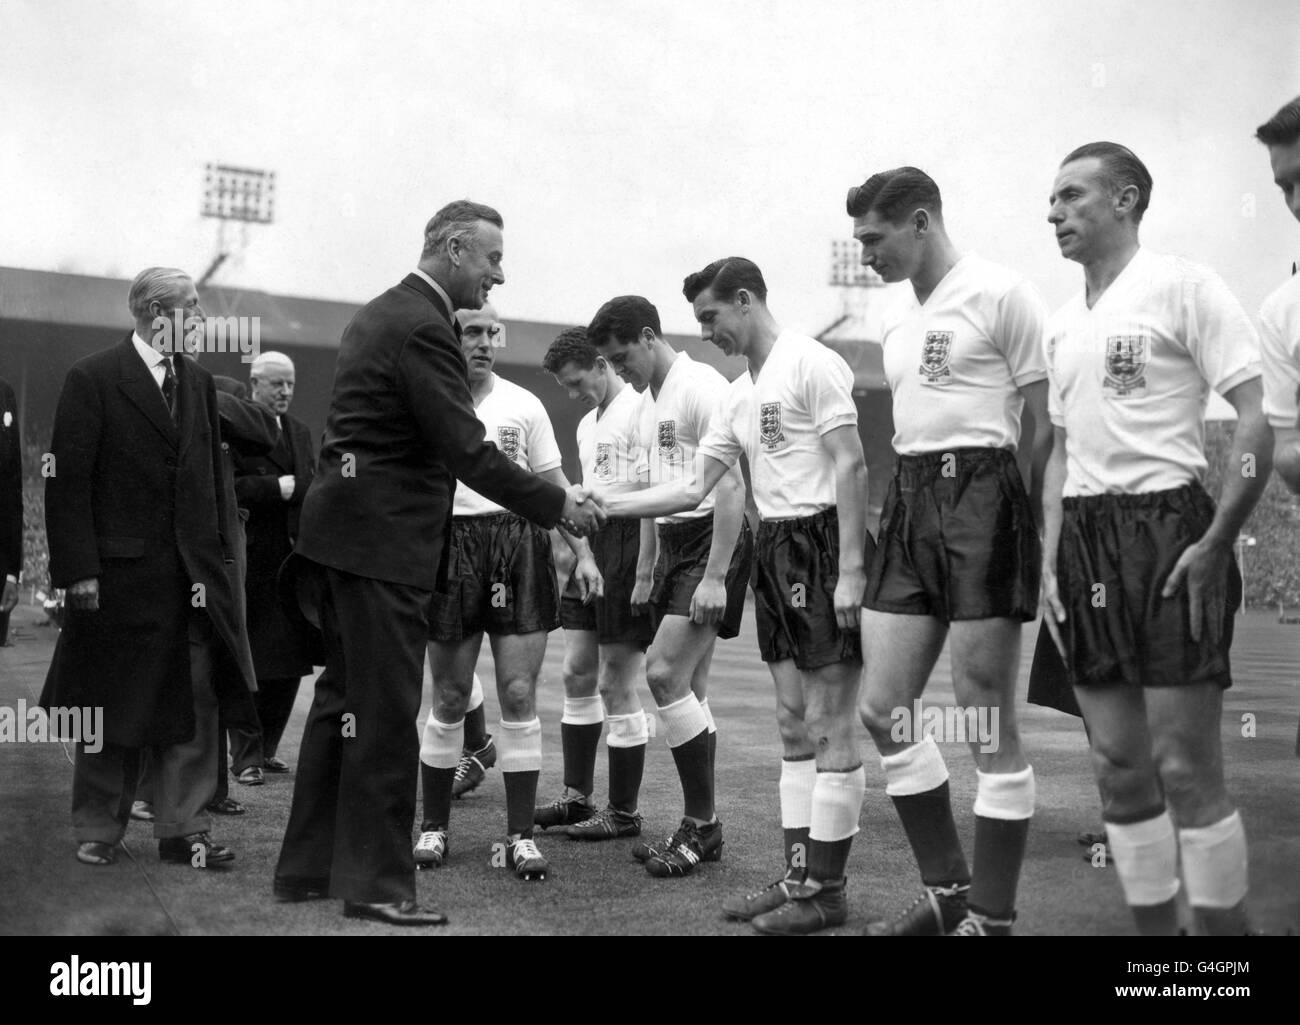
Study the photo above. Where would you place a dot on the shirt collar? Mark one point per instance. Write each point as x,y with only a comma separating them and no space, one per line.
151,356
441,292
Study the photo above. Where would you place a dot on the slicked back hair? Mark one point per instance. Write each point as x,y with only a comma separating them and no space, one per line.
894,194
456,219
726,277
1120,169
1283,128
624,317
570,346
155,284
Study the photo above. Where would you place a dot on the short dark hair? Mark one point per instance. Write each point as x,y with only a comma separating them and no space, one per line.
624,317
570,346
1283,128
1120,169
895,194
456,218
726,277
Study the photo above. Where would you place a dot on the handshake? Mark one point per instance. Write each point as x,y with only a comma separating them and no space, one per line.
584,512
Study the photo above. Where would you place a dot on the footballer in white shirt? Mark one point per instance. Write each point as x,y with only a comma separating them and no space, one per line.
700,572
500,581
957,557
1138,582
1280,316
792,415
604,640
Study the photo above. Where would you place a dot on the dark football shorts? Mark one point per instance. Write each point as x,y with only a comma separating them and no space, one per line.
683,555
1116,553
615,548
796,568
957,539
500,580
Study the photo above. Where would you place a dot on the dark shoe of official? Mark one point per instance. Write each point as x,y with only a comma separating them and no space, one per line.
568,809
647,849
935,913
197,849
274,764
142,811
1088,839
747,906
472,767
686,848
251,777
405,913
431,849
92,852
812,906
526,859
975,924
227,806
609,824
293,889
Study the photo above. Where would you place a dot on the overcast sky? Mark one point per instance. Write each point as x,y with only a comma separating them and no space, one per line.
627,144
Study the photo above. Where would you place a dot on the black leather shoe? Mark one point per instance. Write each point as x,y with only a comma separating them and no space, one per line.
274,764
406,913
197,847
229,806
292,889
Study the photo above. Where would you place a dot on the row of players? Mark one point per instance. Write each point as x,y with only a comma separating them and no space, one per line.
964,553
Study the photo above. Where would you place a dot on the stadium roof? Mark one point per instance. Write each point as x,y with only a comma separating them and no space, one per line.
49,297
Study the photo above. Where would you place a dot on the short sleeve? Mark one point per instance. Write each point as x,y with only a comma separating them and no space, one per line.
1220,337
828,390
1055,405
1018,333
543,450
1279,346
720,441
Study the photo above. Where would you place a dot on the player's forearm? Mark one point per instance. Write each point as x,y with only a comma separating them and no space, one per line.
851,509
1286,458
1245,475
1052,505
648,550
728,515
661,500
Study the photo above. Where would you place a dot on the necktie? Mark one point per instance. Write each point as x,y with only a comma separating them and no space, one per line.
169,385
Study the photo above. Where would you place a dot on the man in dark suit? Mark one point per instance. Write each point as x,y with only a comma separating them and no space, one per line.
137,517
271,486
11,506
371,552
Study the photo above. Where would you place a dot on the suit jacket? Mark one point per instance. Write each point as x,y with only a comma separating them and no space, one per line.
282,646
11,486
138,501
401,430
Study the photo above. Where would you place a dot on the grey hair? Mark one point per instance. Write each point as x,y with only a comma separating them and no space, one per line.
155,284
454,221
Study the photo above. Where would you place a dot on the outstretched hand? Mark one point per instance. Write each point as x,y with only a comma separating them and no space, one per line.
583,513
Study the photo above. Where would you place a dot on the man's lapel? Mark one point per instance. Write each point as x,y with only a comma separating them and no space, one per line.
137,384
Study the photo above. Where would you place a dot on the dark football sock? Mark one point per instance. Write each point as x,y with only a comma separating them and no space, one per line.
999,851
521,799
579,744
827,858
927,820
796,851
475,728
437,796
693,769
626,767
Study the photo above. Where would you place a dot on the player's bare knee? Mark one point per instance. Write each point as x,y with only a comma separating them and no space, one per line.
660,678
579,679
1196,795
876,713
517,698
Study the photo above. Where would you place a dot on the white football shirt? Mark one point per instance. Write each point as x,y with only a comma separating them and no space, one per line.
956,362
673,423
609,445
1279,344
516,422
1130,377
777,419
